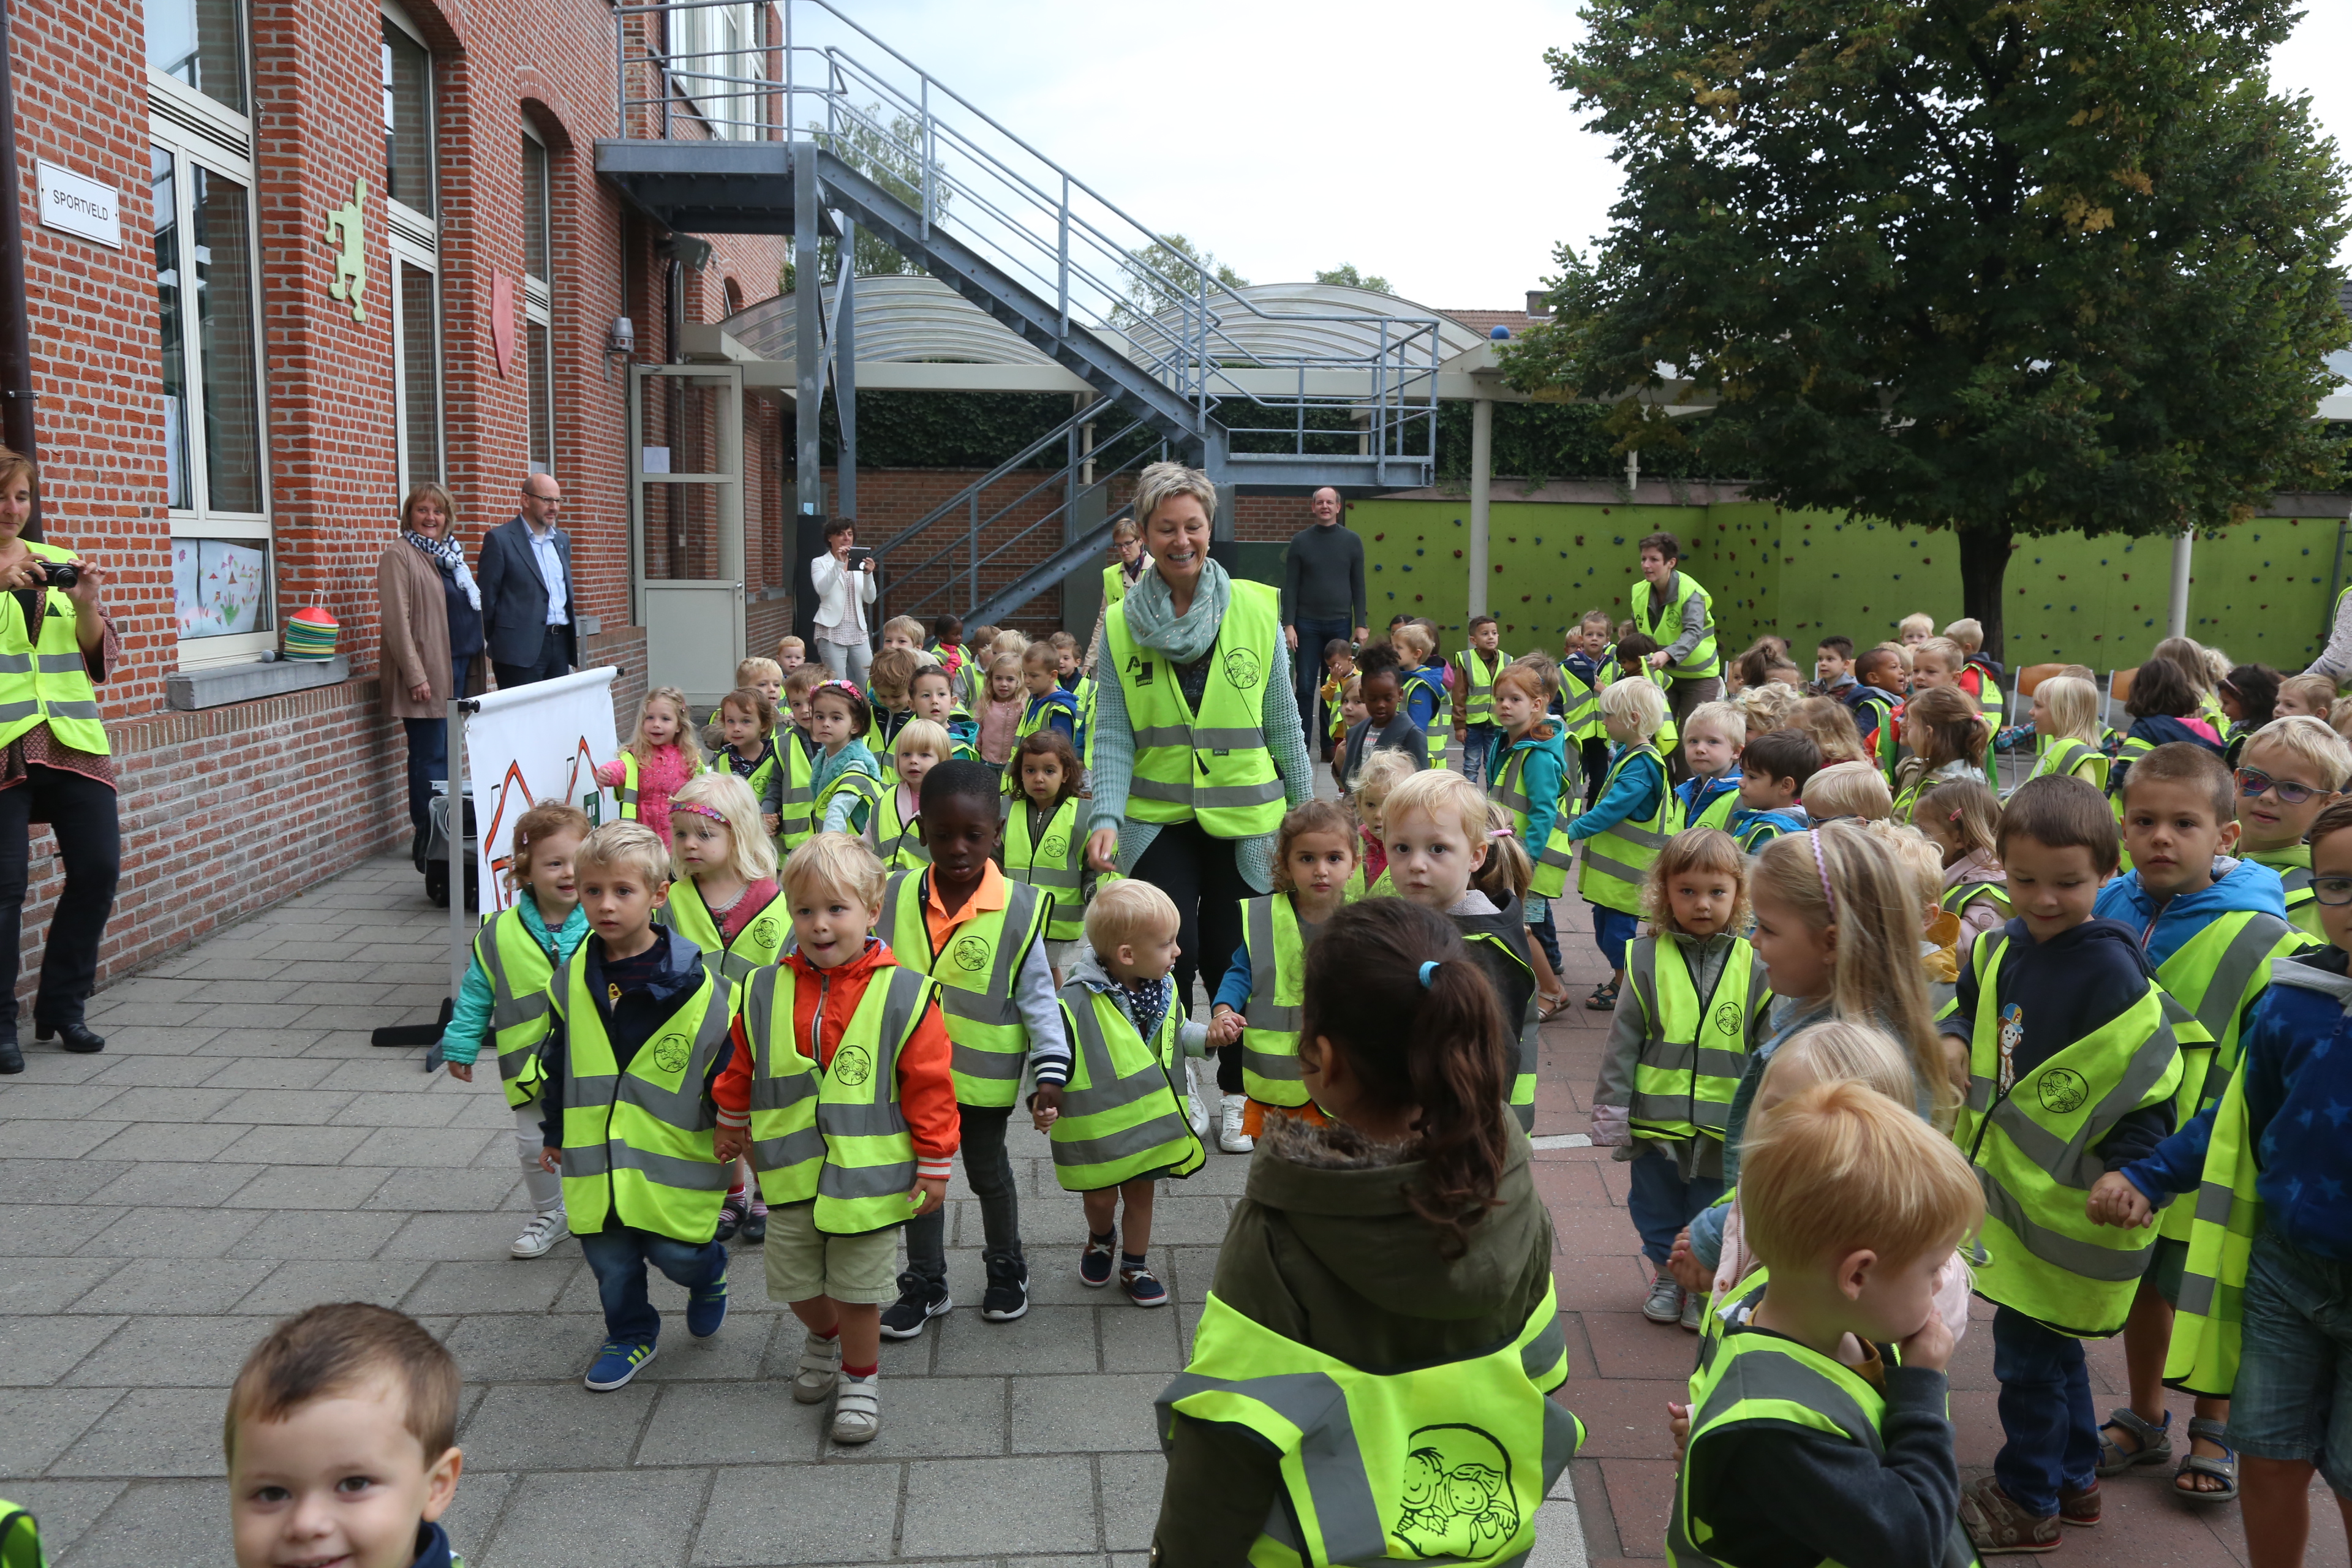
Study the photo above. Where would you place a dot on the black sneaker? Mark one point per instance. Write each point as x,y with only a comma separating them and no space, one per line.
1008,1289
1095,1263
920,1301
730,1216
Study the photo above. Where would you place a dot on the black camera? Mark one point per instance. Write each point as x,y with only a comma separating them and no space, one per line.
60,573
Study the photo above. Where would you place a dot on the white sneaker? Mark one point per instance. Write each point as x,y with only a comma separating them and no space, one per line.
857,1410
820,1369
1195,1112
540,1236
1230,1136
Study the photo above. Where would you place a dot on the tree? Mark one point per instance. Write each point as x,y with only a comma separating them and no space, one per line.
892,159
1166,274
1346,275
2003,268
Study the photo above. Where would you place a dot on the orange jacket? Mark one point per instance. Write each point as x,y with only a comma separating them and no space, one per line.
926,1086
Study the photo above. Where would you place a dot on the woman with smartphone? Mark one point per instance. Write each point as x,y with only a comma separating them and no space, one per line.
844,587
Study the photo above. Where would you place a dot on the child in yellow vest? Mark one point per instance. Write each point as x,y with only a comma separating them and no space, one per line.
894,830
2290,770
1113,1141
1045,841
1635,814
660,758
746,725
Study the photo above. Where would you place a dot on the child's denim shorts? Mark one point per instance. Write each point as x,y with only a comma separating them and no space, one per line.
2292,1399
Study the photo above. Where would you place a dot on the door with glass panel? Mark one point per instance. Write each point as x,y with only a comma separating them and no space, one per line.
685,523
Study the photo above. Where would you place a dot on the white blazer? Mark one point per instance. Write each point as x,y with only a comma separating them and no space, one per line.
839,600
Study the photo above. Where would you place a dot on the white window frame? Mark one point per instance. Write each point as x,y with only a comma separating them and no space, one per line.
406,252
403,217
196,128
539,309
730,108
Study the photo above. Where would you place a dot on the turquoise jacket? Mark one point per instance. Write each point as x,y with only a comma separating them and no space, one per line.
469,1020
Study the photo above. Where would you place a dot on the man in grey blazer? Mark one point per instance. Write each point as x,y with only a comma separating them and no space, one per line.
526,583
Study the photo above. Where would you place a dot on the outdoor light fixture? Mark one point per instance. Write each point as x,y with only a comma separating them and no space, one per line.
620,342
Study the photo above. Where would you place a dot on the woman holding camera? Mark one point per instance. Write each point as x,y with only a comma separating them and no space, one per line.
56,643
843,592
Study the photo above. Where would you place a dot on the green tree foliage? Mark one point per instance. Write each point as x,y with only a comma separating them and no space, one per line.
1164,274
1346,275
1540,441
2006,266
892,159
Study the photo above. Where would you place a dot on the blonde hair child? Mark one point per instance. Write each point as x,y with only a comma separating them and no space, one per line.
1383,773
1962,819
1914,629
2307,696
2067,732
1625,834
791,652
893,828
660,758
1848,789
1831,725
2272,830
1692,1008
1766,707
1004,702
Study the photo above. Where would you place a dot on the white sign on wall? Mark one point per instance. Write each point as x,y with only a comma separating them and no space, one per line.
81,207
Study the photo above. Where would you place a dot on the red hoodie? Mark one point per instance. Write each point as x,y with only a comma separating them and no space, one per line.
926,1084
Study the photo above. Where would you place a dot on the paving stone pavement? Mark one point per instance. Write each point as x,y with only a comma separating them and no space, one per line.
239,1151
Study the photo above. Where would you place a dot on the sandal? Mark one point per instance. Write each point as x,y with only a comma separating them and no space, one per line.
1551,1007
1604,998
1996,1524
2224,1469
2155,1442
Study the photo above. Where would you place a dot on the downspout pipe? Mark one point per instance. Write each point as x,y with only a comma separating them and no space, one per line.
17,401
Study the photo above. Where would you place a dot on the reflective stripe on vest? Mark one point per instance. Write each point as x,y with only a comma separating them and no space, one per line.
798,803
2034,1148
2292,865
517,969
1433,730
865,786
1580,708
834,1135
20,1538
51,685
1618,859
2068,758
1694,1048
1550,880
1121,1117
1054,862
1957,898
760,941
2218,974
1527,1033
1444,1463
628,790
1478,685
2206,1325
1212,766
1702,661
975,973
899,842
1277,994
1758,1378
638,1143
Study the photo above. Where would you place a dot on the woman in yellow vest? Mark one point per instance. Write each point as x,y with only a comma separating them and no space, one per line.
56,639
1441,1335
1198,749
1669,607
1127,564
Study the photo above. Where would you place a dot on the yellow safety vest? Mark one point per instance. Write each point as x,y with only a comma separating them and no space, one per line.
1054,862
835,1136
1478,685
1618,859
758,942
2292,865
798,803
1958,899
1442,1463
1580,707
1756,1379
2071,758
1702,661
20,1538
1121,1117
517,969
628,790
898,841
638,1143
1212,766
1278,957
1550,880
1694,1048
865,786
51,684
2034,1147
976,974
1382,886
2206,1320
1526,1038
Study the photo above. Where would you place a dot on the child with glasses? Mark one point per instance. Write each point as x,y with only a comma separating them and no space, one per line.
2291,770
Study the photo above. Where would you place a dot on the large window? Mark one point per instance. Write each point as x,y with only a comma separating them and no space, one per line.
719,57
414,245
538,303
200,184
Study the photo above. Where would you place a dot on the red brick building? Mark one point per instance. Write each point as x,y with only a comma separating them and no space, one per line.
360,247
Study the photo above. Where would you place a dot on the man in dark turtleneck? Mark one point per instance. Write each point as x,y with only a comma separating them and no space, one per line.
1322,596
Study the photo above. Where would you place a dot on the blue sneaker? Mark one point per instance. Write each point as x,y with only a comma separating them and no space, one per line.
706,1309
617,1363
1141,1288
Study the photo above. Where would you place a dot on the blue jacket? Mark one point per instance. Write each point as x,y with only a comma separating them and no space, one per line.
2297,1068
2237,885
1637,795
1540,776
1698,793
433,1548
629,1022
1058,710
1425,692
469,1020
1754,829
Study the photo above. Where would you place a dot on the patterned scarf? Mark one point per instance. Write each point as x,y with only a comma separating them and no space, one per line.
449,560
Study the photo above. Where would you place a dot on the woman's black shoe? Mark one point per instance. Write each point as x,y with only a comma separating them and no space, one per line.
75,1037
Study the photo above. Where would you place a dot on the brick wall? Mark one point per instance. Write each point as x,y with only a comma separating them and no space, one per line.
230,809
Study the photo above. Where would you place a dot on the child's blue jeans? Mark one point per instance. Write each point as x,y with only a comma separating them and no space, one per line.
618,1255
2049,1426
1662,1203
1473,752
1546,933
1612,931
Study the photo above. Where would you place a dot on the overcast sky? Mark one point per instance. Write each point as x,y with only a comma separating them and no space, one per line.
1425,143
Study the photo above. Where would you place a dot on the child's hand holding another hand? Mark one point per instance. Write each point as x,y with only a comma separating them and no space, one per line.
1224,1026
772,821
1045,1107
2114,1201
727,1142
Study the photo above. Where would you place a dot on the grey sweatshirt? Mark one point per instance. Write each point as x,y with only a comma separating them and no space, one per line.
1324,579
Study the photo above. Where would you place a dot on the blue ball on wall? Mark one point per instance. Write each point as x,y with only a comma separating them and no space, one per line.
1498,334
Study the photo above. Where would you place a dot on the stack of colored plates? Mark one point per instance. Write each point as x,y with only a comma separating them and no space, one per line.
310,635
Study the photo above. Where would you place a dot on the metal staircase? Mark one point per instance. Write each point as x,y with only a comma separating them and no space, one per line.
724,109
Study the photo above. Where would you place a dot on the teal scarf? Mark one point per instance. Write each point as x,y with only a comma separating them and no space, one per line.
1152,620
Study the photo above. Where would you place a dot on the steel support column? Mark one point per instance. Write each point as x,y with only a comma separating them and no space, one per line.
2184,546
1482,480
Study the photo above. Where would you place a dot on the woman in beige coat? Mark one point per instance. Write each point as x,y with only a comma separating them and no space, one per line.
432,620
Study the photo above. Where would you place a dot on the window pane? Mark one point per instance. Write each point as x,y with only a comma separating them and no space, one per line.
171,308
223,252
221,586
420,392
534,209
201,42
543,397
407,121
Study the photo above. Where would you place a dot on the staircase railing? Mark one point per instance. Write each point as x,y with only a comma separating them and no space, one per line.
723,70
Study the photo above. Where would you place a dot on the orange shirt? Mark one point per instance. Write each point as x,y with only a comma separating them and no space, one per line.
993,892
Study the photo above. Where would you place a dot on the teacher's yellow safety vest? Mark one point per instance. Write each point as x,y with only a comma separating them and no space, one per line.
1212,766
1702,661
51,684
